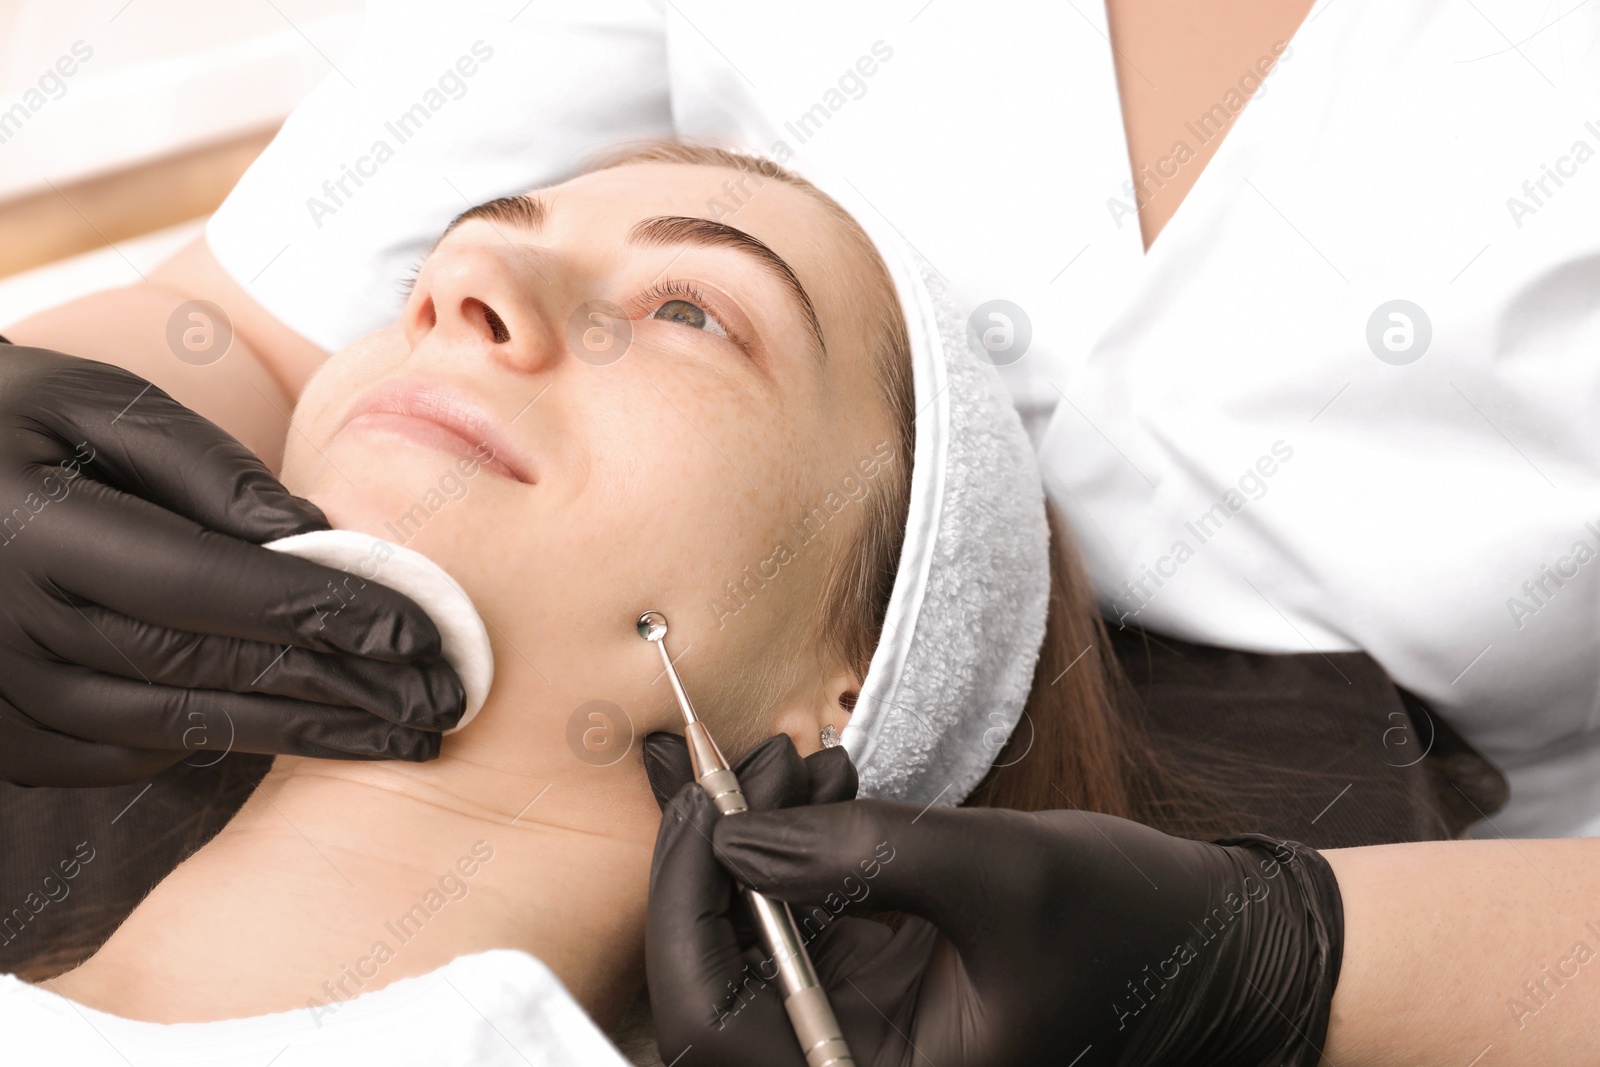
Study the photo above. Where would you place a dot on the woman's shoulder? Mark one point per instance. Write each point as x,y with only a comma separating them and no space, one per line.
497,1006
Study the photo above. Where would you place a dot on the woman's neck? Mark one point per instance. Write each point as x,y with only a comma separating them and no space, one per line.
336,879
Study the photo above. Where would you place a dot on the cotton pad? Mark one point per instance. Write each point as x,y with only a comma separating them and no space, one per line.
464,641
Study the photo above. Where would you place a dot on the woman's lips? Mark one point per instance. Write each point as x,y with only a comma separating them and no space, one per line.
442,419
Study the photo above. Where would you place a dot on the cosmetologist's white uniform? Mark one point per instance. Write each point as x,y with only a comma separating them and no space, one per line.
1257,446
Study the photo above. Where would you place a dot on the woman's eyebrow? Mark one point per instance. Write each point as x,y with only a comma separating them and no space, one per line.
526,212
704,233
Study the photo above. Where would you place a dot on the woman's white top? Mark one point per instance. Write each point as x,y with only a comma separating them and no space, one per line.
502,1007
1348,400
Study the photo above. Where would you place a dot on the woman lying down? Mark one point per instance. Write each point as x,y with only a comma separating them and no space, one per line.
735,449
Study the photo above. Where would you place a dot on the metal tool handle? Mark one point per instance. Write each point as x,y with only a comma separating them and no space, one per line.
804,999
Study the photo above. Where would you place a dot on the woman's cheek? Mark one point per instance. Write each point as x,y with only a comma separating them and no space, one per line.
325,394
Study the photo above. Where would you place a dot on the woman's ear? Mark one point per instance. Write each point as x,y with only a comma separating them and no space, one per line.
807,714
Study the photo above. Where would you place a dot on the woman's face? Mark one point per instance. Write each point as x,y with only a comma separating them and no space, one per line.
612,400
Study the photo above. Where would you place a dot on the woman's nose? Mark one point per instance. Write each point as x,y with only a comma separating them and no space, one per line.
484,300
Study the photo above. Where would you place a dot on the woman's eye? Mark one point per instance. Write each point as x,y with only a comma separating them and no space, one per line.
682,311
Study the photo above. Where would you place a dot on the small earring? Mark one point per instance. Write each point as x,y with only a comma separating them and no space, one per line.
830,736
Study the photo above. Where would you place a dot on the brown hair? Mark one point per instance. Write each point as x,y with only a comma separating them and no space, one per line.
1080,743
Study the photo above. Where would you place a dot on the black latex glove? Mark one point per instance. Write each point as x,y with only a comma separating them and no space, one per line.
700,936
1056,938
140,623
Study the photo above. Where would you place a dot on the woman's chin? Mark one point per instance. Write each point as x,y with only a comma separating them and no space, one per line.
401,494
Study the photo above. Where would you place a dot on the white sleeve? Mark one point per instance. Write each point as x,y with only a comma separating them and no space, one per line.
436,108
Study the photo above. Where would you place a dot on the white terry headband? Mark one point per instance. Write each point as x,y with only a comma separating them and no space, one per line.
954,664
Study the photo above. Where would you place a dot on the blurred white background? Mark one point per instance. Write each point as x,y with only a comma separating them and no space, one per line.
115,165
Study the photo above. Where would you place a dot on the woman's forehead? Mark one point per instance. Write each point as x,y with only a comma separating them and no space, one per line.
703,190
787,218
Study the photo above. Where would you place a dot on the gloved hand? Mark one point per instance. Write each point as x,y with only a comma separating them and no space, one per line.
700,938
140,623
1058,937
